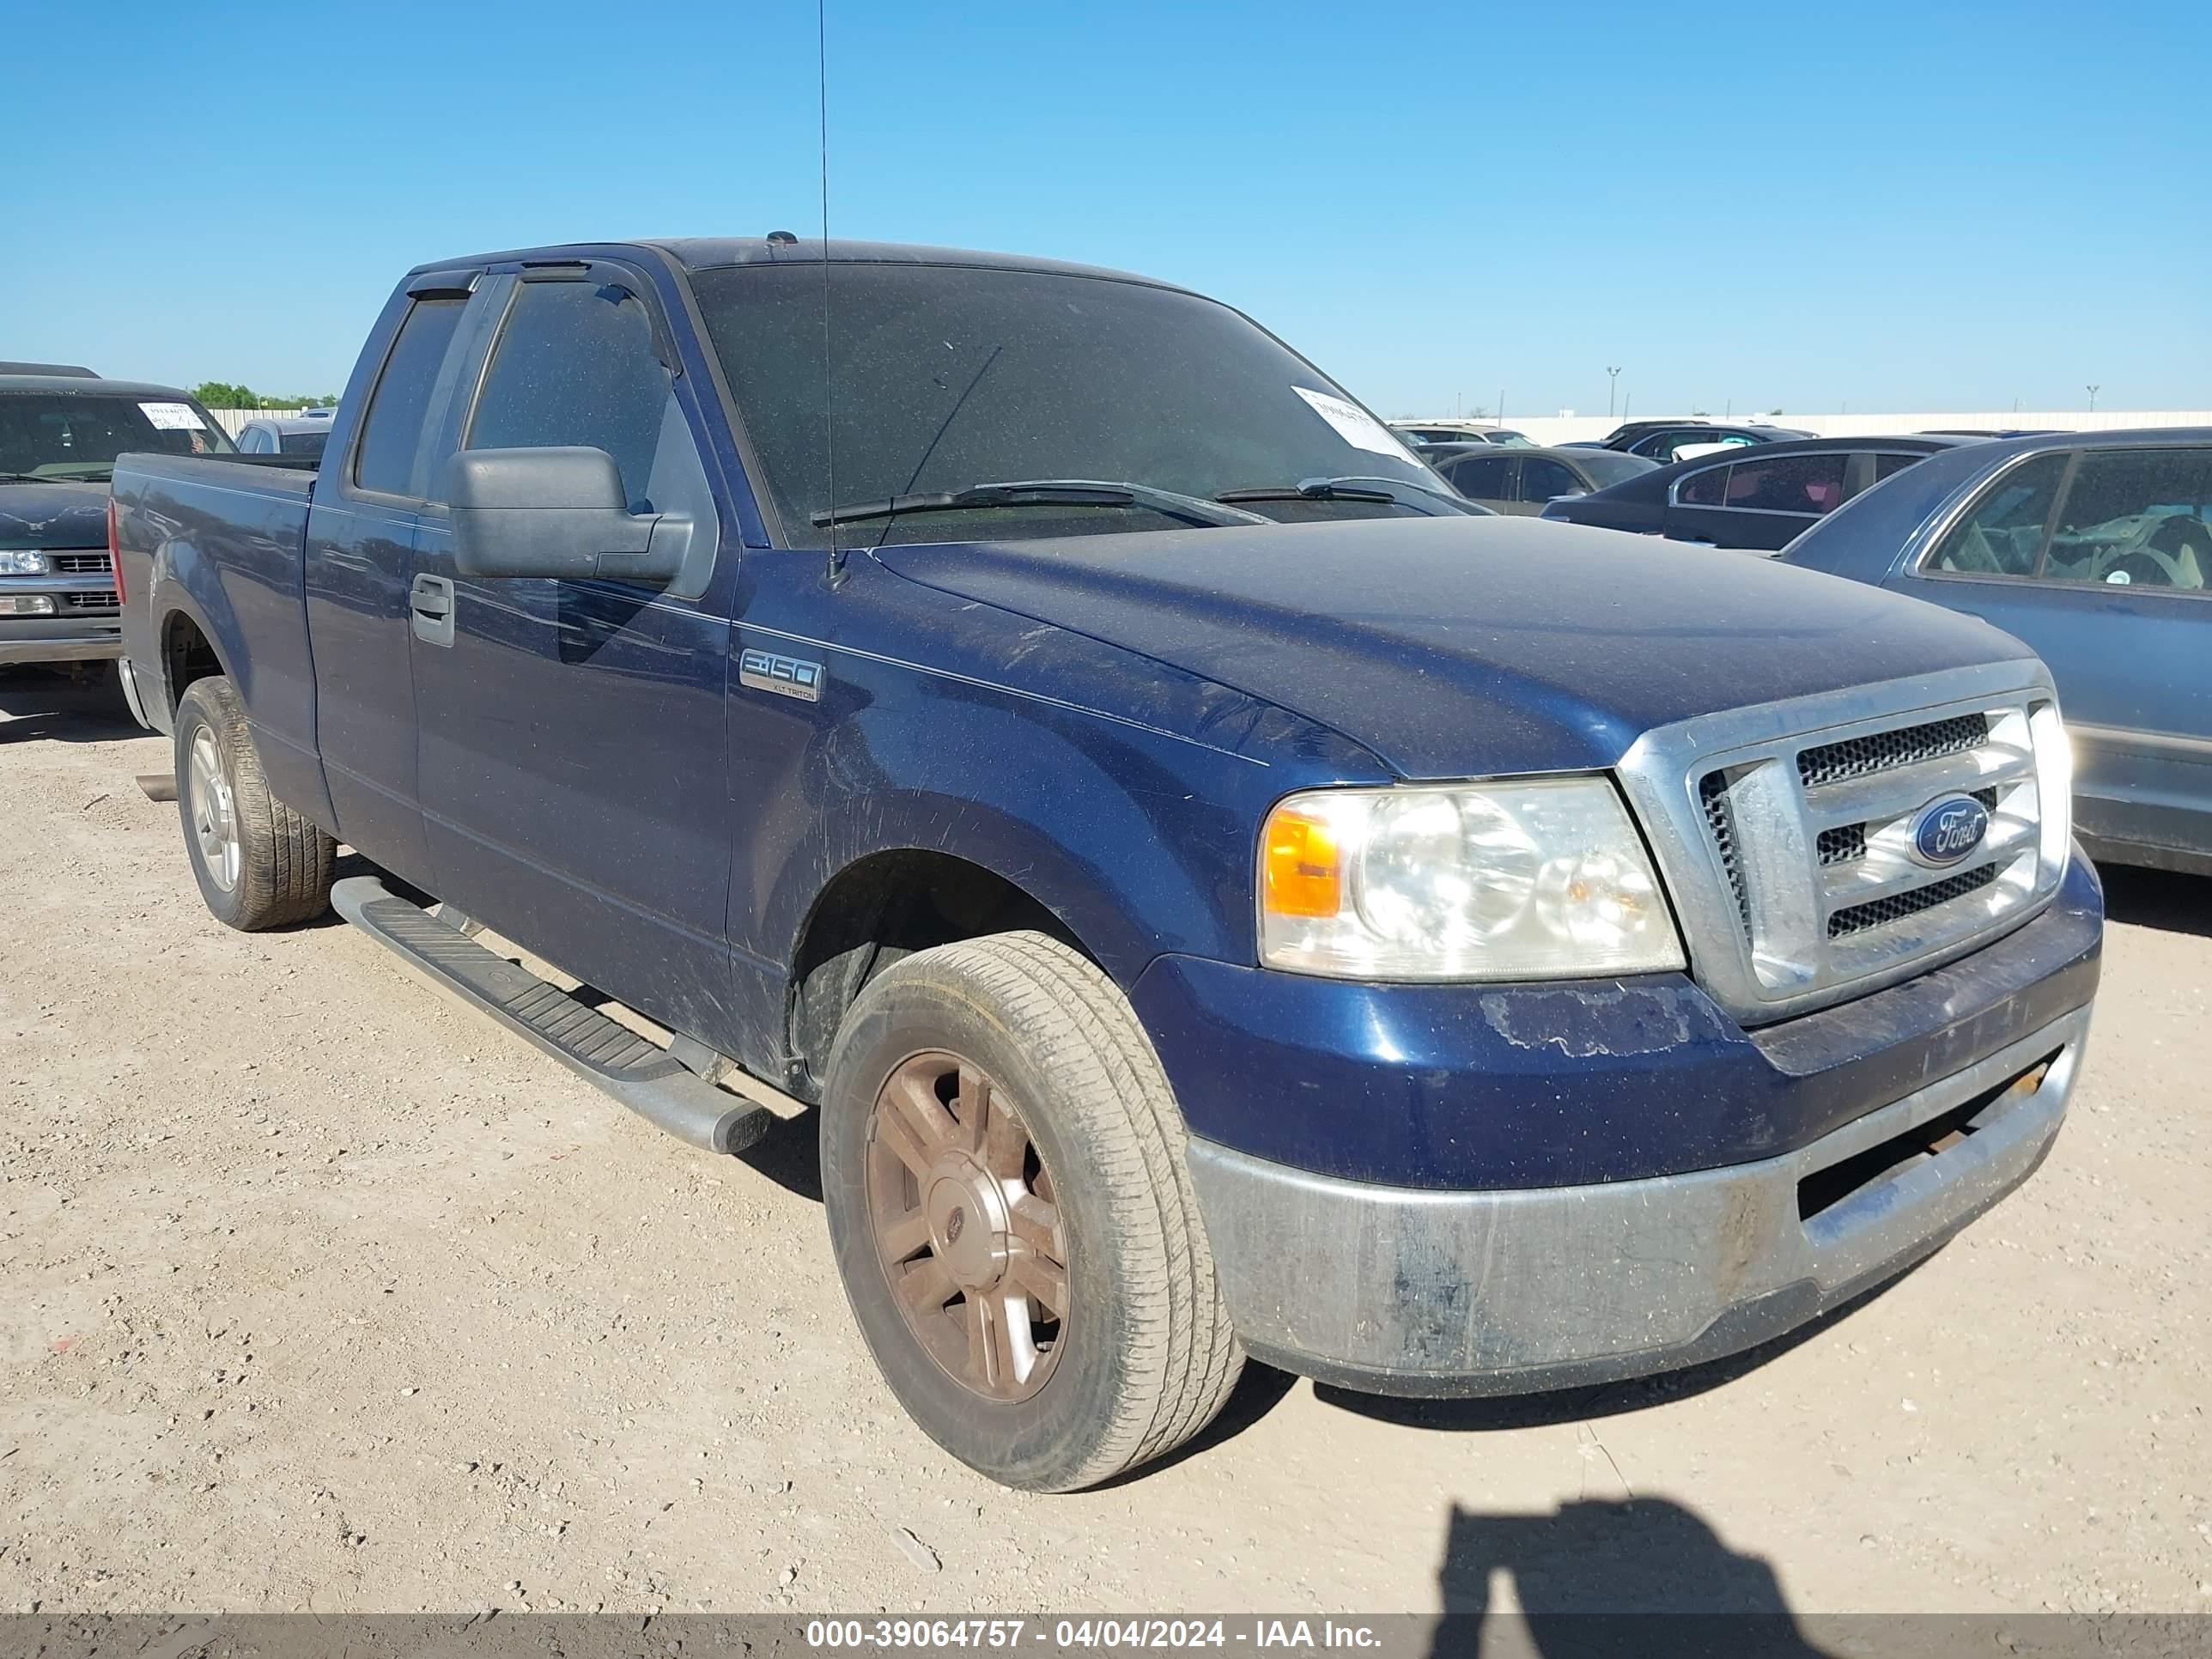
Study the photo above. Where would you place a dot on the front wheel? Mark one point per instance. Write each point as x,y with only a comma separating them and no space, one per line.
257,862
1002,1166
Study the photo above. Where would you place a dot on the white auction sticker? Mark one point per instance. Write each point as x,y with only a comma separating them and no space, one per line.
173,418
1354,424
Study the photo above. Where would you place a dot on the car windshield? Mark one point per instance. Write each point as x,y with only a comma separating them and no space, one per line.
949,377
70,435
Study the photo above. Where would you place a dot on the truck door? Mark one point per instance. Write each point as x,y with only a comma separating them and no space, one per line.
572,742
360,567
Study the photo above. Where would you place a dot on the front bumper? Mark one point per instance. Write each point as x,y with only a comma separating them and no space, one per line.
1411,1291
97,638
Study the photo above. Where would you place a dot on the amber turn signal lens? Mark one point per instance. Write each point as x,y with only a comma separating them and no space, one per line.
1302,876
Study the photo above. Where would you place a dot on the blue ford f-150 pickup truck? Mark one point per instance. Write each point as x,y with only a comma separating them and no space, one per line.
1223,898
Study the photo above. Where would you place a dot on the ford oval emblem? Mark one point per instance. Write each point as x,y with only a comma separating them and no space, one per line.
1949,829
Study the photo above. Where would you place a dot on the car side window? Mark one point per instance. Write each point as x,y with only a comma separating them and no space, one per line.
576,364
1810,484
249,443
384,458
1706,488
2134,518
2002,533
1542,477
1888,465
1482,477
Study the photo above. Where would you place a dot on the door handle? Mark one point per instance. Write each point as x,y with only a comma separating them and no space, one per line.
430,604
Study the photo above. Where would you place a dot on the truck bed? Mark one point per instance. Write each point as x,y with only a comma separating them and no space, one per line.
211,548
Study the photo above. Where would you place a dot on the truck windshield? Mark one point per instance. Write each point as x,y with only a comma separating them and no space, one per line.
947,377
70,435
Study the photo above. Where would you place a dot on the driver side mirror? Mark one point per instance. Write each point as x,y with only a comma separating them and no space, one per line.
559,514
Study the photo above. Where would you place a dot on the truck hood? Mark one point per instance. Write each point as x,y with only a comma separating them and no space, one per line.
1453,646
53,513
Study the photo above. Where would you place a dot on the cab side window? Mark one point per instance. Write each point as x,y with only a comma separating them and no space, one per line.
575,365
384,459
2002,533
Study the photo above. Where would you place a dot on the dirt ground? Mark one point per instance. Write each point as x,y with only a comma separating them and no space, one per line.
318,1292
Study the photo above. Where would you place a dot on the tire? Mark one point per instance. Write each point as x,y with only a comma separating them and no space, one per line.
1143,1357
272,869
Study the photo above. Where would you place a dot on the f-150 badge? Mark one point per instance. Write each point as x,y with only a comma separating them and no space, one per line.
787,677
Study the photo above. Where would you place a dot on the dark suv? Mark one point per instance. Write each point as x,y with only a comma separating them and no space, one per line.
60,432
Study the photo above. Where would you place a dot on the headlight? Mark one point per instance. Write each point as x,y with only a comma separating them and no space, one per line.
1542,879
21,563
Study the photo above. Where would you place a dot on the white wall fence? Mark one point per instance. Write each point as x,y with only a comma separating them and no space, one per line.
1574,429
234,420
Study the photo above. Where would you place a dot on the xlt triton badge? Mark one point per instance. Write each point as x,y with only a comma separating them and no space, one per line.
1949,829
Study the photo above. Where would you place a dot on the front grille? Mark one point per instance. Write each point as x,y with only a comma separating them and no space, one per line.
1896,908
1842,844
1847,841
1712,791
1858,757
1789,832
78,564
93,600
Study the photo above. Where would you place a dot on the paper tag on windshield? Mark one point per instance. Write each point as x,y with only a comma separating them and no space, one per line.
1354,424
173,418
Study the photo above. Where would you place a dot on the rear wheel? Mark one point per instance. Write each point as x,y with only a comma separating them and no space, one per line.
257,862
1002,1166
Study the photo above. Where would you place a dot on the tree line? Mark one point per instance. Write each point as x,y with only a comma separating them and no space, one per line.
221,394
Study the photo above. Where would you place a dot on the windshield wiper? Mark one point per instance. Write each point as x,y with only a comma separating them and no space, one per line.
1044,492
1353,488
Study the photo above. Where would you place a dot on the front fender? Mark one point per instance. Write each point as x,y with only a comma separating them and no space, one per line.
1138,843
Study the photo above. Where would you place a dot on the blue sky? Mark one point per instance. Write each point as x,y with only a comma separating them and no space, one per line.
1941,205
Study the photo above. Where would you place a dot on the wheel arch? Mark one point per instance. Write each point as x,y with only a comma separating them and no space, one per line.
881,908
184,651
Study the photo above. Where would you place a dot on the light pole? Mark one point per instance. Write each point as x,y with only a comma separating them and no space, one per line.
2093,391
1612,384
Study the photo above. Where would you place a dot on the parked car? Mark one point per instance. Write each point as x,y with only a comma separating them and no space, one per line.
1520,481
1760,498
2095,549
1686,441
291,434
72,371
60,432
1628,431
1458,431
1400,945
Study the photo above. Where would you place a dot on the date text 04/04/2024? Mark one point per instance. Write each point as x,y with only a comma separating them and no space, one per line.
1290,1634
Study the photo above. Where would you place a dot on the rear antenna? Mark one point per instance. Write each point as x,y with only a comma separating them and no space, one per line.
836,572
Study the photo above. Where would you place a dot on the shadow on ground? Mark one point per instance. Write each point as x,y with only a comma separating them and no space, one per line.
1646,1577
2158,898
59,705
